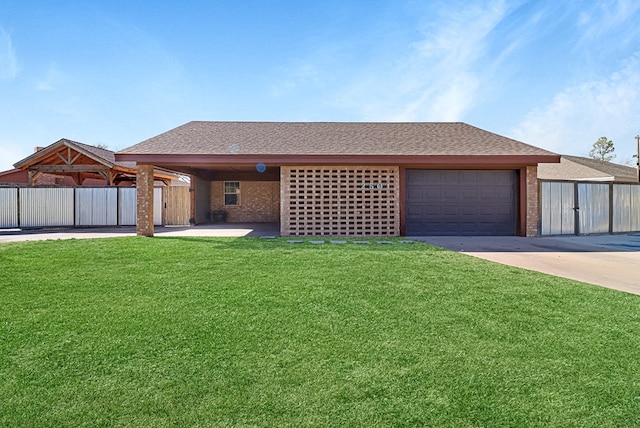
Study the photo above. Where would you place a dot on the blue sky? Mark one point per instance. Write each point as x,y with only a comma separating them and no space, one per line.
555,74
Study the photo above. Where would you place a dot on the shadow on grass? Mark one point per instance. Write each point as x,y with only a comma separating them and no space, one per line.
516,244
308,243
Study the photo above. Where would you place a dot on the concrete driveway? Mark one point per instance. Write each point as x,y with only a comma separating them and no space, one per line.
611,261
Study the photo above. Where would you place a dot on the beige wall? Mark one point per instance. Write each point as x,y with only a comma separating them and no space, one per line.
259,202
340,201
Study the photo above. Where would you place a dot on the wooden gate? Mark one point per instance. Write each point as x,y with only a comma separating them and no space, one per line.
176,204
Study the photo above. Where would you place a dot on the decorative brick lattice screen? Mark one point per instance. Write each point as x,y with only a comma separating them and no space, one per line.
340,201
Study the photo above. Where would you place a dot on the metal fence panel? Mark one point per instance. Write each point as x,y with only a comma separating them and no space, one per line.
546,226
593,201
8,207
96,206
634,221
557,216
127,213
568,209
626,208
621,215
127,206
43,207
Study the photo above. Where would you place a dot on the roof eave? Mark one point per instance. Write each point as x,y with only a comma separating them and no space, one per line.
405,160
30,160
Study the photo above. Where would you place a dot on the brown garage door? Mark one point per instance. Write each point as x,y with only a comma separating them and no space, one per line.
460,202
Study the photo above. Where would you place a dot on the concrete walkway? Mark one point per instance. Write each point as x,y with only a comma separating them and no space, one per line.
611,261
222,229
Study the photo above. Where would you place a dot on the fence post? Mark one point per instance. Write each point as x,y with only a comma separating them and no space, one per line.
75,208
610,208
18,205
539,207
576,209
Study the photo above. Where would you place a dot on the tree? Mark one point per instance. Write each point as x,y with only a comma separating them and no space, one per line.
602,150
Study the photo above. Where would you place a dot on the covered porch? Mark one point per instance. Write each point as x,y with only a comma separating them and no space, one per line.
223,196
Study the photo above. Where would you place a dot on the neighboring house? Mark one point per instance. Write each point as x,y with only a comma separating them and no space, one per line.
14,176
575,168
349,179
69,163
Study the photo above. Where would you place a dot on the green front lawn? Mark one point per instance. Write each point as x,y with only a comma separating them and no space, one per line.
255,332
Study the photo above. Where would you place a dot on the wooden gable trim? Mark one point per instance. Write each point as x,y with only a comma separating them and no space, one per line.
69,168
57,149
69,160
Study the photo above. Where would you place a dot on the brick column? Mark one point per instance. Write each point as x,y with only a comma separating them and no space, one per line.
144,184
532,211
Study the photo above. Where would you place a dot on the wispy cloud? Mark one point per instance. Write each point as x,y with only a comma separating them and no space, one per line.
51,80
8,60
579,115
438,76
608,16
431,72
296,76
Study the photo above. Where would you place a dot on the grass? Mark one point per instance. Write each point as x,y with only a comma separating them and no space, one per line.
252,332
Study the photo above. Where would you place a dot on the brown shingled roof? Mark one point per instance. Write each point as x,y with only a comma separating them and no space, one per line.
332,138
103,156
580,168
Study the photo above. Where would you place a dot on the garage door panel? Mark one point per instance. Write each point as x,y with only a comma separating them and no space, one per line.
472,211
450,210
415,193
415,211
469,194
433,178
451,195
452,202
467,177
433,210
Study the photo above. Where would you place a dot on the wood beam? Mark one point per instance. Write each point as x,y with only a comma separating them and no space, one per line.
69,168
77,178
106,175
69,160
75,158
33,176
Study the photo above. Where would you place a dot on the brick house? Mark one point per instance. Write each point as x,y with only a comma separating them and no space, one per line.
349,179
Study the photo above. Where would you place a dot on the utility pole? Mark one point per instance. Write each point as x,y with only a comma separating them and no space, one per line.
637,156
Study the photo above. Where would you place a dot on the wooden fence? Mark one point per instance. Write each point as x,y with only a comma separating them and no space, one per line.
35,207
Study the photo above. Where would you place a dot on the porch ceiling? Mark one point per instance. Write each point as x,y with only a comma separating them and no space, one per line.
226,171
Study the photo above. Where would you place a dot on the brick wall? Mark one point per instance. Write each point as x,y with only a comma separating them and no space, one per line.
340,201
532,212
259,202
144,203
